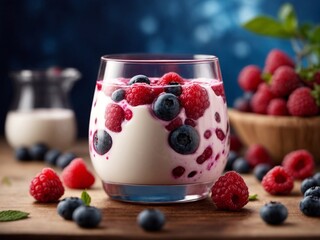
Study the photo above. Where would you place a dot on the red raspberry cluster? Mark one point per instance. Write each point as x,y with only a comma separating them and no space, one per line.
278,89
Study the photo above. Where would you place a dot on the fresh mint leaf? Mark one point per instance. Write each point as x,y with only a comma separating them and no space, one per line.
12,215
288,18
86,198
267,26
253,197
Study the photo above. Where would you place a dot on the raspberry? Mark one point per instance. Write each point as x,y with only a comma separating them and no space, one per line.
195,100
277,107
301,103
275,59
299,164
230,192
190,122
207,134
220,134
175,123
284,81
219,91
278,181
170,77
76,175
249,78
46,186
261,99
114,116
257,154
139,94
207,153
128,114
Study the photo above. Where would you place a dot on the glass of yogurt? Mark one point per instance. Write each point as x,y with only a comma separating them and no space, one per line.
159,130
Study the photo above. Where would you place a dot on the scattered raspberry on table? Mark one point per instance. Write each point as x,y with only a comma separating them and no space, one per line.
230,192
46,186
278,181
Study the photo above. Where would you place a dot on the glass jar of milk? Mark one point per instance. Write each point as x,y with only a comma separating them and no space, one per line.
40,111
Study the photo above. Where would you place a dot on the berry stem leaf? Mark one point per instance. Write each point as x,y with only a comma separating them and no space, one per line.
12,215
267,26
288,18
85,197
316,94
266,77
253,197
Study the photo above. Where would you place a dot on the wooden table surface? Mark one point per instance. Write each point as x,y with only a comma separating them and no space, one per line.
198,220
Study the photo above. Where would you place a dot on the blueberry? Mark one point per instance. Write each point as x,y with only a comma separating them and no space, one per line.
232,156
175,88
310,206
87,216
307,183
38,151
118,95
242,104
184,139
65,159
274,213
241,165
139,79
102,142
51,157
313,191
166,107
151,220
67,206
22,154
317,178
261,170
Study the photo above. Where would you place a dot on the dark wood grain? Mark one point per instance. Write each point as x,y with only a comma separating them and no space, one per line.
198,220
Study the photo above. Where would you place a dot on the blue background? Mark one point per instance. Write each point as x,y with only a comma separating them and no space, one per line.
75,33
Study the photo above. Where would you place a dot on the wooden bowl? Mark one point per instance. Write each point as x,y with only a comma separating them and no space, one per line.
280,135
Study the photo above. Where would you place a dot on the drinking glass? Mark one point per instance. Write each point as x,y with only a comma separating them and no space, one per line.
159,130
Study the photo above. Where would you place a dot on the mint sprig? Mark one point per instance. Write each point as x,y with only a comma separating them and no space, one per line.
304,37
85,197
12,215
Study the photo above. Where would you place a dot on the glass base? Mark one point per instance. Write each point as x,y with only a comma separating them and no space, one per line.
157,194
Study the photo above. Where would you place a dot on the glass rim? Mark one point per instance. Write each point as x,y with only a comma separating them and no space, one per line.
152,58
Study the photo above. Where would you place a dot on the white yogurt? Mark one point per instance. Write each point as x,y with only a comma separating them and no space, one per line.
141,154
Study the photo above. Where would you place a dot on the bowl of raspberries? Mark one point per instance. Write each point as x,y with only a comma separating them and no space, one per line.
280,106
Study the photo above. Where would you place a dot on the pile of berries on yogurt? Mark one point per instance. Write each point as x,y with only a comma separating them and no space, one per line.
164,130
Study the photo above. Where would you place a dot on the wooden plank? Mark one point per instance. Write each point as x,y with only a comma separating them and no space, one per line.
198,220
